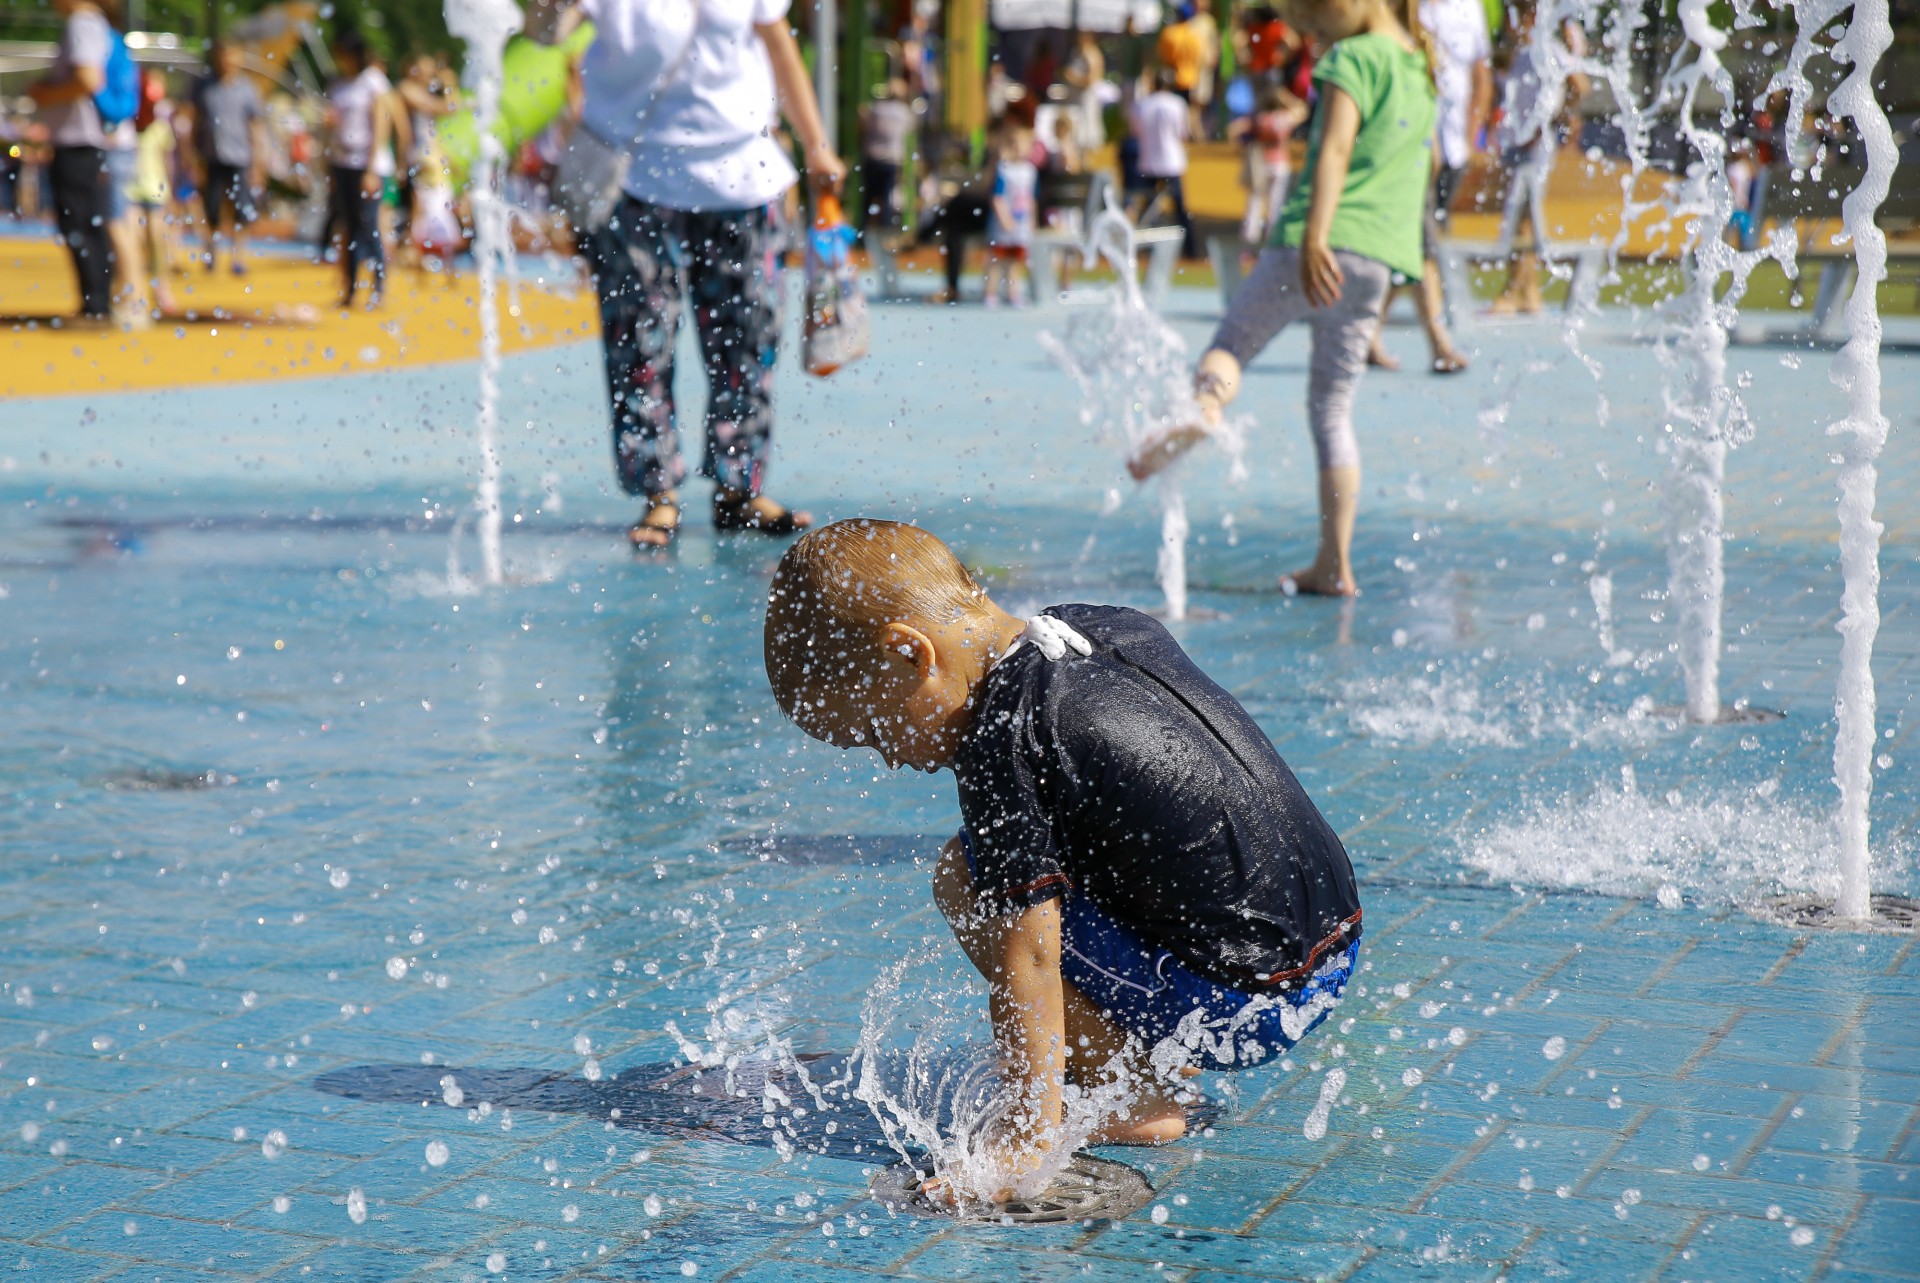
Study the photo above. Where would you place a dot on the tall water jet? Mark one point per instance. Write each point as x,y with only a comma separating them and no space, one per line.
1708,417
1863,432
485,25
1135,380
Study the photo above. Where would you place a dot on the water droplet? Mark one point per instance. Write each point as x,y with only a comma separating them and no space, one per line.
1669,896
1412,1077
397,968
436,1153
496,1263
1801,1236
570,1213
339,879
282,1204
130,1228
1526,1180
274,1144
1701,1162
653,1205
357,1206
689,1268
1554,1047
1159,1213
1457,1036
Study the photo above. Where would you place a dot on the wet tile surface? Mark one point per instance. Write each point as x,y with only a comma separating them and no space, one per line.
516,839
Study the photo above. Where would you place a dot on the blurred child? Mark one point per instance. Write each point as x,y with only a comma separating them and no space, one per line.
1138,876
1267,171
1011,213
433,225
1331,255
151,191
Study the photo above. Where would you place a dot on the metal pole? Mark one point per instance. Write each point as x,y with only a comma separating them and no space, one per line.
826,77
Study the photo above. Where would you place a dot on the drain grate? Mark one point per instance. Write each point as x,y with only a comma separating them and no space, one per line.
1087,1189
1889,915
1739,713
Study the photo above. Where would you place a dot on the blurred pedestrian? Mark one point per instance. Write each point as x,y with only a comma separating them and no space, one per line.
1012,212
1266,141
886,130
1182,50
1543,85
1463,88
1200,101
1162,126
686,98
230,137
360,131
151,193
1085,75
81,193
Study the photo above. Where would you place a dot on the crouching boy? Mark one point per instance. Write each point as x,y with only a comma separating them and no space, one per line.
1141,880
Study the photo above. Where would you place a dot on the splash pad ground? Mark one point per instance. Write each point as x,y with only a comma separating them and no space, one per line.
288,810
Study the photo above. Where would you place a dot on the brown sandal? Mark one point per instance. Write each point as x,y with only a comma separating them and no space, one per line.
659,524
734,510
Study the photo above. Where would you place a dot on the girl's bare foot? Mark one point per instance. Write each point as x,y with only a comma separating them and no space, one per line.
1162,450
1315,582
1379,356
1448,361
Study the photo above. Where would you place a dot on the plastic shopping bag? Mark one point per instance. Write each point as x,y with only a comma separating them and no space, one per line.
837,329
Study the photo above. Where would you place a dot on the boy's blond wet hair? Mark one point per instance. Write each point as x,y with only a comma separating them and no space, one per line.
839,585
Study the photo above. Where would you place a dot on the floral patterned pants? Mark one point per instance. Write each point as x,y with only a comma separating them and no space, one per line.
650,263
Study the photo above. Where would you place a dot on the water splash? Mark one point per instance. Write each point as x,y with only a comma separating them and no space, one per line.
1863,433
1136,382
485,26
943,1096
1717,845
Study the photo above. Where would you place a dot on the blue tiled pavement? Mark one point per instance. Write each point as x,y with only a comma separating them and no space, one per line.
520,833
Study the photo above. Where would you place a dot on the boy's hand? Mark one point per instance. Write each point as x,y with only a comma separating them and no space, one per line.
1007,1161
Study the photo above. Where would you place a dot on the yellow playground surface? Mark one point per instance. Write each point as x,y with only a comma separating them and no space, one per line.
280,321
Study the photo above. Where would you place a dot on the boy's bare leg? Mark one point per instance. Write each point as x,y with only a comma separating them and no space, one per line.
1215,384
1153,1116
1331,574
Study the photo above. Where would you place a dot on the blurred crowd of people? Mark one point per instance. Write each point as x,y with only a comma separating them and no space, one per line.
149,173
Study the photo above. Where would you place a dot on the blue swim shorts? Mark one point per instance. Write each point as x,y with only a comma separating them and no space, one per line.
1182,1016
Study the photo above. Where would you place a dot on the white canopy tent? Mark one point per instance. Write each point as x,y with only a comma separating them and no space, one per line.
1094,15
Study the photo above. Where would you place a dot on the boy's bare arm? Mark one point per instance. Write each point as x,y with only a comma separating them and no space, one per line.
1029,1019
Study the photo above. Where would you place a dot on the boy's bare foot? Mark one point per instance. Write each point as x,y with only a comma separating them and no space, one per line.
1315,582
1379,356
1448,361
1514,305
1159,1120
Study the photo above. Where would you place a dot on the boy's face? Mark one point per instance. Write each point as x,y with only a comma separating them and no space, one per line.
897,700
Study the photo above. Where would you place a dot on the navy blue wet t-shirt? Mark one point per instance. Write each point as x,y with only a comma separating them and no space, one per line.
1130,777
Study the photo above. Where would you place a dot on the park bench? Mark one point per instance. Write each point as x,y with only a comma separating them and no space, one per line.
1081,198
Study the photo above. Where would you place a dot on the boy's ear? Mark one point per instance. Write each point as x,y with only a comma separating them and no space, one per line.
905,642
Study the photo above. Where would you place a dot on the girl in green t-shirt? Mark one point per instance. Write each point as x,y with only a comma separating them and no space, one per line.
1332,253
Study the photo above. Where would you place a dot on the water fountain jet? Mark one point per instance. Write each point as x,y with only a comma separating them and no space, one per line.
485,26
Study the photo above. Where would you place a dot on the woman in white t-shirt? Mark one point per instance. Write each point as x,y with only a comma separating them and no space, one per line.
688,88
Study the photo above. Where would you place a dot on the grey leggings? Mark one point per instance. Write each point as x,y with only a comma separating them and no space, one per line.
1270,299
